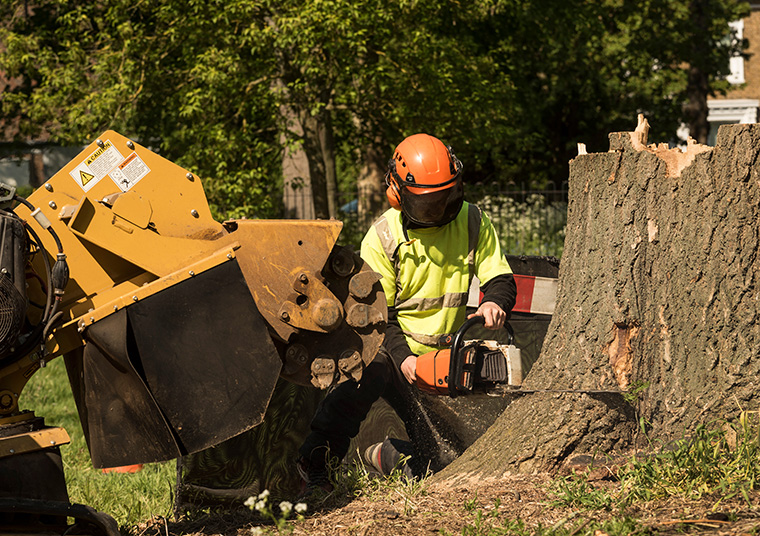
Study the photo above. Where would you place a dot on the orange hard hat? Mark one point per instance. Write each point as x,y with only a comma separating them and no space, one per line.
424,181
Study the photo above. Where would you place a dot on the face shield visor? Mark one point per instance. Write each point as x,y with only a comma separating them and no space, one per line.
429,205
435,208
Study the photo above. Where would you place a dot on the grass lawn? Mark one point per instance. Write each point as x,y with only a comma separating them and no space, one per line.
128,498
711,477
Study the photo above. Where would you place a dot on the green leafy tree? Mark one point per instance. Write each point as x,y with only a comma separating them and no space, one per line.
583,69
223,87
179,76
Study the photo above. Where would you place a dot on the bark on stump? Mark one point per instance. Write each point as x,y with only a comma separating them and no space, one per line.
658,285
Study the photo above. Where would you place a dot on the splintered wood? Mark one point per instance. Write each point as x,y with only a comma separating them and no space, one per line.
676,159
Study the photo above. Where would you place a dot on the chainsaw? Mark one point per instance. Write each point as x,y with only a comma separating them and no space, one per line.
470,366
480,367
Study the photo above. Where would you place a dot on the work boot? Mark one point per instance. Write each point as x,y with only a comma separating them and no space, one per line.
372,457
315,478
390,455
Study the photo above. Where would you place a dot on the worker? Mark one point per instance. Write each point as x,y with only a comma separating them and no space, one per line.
427,247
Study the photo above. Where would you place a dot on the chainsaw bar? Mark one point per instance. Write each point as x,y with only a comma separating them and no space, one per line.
504,391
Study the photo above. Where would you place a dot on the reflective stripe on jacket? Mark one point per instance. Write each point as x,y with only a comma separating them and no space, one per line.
427,278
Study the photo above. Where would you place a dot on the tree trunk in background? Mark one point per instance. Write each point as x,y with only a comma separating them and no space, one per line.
312,146
319,146
309,168
297,197
370,184
696,108
327,144
36,169
658,286
698,86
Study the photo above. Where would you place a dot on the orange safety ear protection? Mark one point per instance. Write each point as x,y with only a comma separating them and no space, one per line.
392,192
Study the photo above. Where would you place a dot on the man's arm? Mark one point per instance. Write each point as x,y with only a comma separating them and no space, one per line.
497,283
499,296
501,290
395,342
398,348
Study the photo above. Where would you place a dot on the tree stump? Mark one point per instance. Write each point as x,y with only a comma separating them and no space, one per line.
658,289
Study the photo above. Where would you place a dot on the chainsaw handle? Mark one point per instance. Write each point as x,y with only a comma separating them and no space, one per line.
455,364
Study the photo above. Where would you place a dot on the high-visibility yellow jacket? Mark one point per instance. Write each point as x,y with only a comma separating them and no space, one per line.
427,278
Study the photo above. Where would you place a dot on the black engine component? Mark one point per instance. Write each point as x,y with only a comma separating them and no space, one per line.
492,366
13,300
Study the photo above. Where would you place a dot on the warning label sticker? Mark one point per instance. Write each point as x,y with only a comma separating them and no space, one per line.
96,166
131,170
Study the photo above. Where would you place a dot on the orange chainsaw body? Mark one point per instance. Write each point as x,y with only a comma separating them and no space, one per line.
481,366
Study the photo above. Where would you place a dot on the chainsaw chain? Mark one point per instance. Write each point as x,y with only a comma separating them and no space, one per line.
519,392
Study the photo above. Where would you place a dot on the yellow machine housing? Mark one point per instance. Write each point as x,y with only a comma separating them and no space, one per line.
175,327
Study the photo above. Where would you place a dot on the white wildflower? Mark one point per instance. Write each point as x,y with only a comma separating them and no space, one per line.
260,505
257,531
250,501
300,508
264,494
286,507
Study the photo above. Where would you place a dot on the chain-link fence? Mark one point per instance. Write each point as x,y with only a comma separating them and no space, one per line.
528,222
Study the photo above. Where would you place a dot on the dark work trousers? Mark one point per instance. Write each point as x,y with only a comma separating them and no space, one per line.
342,411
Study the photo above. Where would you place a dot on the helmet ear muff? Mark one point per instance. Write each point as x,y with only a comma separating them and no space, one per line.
392,191
393,195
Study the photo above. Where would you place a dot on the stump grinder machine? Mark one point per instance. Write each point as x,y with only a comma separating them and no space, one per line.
174,328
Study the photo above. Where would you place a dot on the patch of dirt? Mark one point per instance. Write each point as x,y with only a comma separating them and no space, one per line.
473,508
